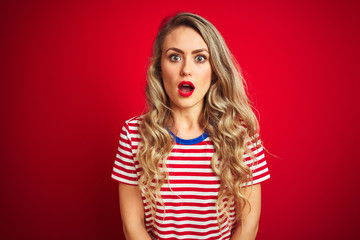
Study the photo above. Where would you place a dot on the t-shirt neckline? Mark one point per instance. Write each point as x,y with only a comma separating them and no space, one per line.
182,141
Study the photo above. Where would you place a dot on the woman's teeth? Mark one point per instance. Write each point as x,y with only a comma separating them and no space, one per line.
186,88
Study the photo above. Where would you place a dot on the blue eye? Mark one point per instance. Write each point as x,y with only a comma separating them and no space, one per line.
200,58
174,58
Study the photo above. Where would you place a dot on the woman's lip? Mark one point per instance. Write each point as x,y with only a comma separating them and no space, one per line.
186,82
186,94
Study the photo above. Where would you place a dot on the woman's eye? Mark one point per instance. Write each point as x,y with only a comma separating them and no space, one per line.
200,58
174,58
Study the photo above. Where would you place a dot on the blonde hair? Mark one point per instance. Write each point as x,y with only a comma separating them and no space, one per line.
227,117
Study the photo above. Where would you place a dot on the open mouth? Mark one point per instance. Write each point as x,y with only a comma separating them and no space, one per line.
186,88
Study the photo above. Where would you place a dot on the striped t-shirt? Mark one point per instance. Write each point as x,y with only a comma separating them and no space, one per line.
190,199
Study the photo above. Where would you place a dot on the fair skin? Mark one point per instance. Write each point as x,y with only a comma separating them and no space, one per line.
185,57
247,228
132,212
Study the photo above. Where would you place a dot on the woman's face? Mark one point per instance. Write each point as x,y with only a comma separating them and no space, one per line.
185,68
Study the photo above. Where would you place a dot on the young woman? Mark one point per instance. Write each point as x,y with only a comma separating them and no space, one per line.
191,166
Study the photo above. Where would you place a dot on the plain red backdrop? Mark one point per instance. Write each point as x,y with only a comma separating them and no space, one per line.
73,71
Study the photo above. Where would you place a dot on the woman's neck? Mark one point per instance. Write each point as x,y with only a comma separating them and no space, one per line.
186,123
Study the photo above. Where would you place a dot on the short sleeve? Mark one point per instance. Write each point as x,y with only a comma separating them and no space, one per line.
258,165
124,169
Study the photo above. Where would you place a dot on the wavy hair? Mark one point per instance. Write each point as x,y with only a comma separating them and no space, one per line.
227,117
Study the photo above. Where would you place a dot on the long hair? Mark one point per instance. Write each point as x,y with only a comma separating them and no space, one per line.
227,117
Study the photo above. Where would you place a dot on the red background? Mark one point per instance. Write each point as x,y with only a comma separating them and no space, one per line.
73,71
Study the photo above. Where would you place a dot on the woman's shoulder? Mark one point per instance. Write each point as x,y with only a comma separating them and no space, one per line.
131,128
134,120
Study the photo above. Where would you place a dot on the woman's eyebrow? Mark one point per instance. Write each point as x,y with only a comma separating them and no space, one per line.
200,50
182,52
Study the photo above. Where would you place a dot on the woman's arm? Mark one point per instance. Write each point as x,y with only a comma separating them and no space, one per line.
248,225
132,212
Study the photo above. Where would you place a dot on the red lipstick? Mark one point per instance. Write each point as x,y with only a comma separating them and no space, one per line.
186,88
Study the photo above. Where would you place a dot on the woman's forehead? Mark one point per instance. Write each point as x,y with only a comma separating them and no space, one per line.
184,38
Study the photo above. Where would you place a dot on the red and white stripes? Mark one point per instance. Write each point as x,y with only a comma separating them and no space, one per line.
190,199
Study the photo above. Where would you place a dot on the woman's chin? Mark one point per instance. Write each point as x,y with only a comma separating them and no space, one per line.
186,104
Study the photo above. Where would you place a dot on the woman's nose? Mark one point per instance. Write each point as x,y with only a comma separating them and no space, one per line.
186,68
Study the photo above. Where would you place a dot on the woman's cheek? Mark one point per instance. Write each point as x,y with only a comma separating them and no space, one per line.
206,74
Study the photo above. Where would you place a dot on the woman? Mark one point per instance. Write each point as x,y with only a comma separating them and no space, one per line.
190,167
